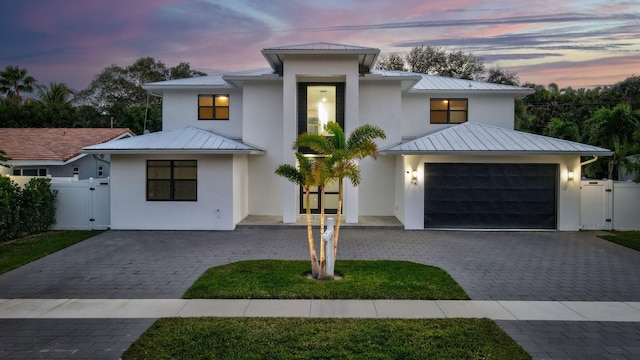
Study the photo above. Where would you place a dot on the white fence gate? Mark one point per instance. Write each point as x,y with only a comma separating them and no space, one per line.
609,205
82,205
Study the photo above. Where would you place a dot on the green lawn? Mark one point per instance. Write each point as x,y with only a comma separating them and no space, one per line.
296,338
630,239
308,338
279,279
22,251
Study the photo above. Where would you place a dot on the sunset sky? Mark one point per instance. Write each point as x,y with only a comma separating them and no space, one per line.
578,43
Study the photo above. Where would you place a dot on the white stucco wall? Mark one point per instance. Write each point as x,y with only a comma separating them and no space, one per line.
263,127
568,192
240,187
495,110
380,105
180,108
212,211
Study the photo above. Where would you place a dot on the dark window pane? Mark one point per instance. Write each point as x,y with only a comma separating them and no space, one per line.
222,101
438,117
159,173
439,104
185,173
159,190
185,190
458,105
205,113
205,100
222,113
457,117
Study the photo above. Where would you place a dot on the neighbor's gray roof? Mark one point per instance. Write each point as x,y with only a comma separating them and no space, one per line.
187,139
478,139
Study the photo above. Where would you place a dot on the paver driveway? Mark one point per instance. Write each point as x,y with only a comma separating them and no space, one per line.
163,264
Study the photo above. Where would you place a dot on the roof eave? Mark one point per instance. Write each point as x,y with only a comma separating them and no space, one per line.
34,162
495,152
515,92
173,151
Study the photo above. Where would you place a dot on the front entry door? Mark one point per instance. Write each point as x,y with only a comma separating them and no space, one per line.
330,199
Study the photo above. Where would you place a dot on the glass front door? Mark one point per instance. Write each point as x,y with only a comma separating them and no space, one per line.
330,199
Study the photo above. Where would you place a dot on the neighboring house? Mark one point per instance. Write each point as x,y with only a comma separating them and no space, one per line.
451,158
56,152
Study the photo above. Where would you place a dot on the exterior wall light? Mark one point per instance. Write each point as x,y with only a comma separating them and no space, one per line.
414,177
570,175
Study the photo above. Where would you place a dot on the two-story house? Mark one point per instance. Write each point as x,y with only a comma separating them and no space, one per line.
451,158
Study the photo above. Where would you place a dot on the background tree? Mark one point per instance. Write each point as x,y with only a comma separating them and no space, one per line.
117,91
14,81
498,75
183,70
629,91
614,129
437,61
393,62
55,93
561,129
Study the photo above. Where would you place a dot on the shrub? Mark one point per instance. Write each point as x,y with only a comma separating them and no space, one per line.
26,211
9,209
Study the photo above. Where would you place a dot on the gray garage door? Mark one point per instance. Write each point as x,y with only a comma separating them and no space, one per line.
490,196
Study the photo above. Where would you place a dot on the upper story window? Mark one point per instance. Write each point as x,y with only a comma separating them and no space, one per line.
213,107
172,180
318,105
449,111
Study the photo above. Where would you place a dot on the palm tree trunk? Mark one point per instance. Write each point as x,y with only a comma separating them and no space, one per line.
336,233
312,248
323,260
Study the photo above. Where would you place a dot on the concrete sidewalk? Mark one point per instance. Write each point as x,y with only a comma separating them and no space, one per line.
416,309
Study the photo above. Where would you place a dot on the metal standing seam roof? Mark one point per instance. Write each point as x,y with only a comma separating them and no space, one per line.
478,139
181,140
433,83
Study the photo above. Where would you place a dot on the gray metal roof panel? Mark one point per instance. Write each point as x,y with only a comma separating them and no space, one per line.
475,138
183,139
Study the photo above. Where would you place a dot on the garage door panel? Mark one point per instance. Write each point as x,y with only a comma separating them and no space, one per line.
462,195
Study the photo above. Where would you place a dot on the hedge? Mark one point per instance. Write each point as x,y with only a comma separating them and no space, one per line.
26,211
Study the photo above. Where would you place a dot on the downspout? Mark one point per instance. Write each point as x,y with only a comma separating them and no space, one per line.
586,162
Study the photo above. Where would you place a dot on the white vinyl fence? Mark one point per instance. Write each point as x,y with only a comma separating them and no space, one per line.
609,205
80,204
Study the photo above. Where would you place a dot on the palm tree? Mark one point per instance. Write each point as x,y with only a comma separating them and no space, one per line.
342,155
15,80
55,93
302,176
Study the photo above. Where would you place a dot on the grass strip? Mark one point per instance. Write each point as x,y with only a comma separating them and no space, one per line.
284,279
300,338
630,239
22,251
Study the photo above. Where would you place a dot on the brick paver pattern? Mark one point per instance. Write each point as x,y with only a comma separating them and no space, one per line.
574,266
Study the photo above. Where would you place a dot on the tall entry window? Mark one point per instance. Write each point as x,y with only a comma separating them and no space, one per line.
318,105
